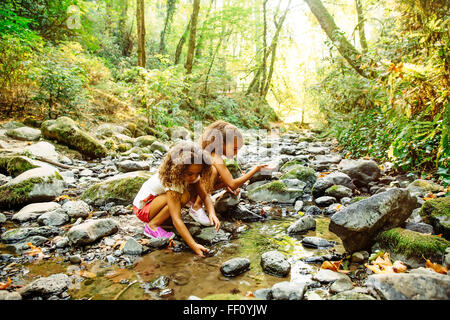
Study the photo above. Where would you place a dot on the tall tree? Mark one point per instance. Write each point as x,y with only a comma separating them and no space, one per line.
181,43
170,10
337,36
140,19
192,34
361,31
198,49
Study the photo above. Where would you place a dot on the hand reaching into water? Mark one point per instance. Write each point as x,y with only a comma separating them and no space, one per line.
199,249
214,221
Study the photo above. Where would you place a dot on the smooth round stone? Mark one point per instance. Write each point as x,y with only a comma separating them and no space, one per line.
275,263
234,267
341,285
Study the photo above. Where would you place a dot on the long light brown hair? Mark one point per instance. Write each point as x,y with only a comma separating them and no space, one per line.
217,134
177,161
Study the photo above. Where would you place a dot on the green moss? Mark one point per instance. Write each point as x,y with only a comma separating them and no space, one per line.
412,243
14,165
123,190
11,196
435,207
356,199
123,147
291,163
301,173
276,186
426,185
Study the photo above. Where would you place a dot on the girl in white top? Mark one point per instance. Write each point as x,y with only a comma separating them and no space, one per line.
177,181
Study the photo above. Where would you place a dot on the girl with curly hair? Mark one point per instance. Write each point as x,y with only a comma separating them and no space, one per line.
176,182
221,139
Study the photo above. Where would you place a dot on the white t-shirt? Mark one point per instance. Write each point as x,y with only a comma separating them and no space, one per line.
153,186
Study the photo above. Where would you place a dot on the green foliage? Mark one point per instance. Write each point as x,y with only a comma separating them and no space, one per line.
401,113
61,83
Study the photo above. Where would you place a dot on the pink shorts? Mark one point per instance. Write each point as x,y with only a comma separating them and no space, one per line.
143,213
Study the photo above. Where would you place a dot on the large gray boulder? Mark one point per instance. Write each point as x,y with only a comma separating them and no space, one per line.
34,185
411,286
359,223
67,132
361,171
91,230
76,209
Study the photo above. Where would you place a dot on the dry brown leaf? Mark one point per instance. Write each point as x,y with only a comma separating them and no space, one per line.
384,265
399,266
249,294
436,267
323,174
144,242
331,265
4,286
87,274
120,244
35,251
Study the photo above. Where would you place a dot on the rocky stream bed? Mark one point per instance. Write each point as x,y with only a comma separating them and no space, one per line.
67,230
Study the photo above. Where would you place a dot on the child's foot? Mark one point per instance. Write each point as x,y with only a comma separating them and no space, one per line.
158,233
200,216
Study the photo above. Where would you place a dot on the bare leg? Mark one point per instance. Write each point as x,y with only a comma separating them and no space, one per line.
159,210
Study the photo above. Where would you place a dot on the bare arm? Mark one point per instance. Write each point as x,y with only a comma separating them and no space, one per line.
227,178
175,213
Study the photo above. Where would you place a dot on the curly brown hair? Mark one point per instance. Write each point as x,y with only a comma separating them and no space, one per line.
217,133
177,161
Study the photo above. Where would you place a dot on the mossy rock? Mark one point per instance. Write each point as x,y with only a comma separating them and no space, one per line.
124,147
302,173
15,165
35,185
412,244
288,166
67,132
426,185
338,191
110,144
356,199
275,191
120,189
437,213
145,141
12,125
226,296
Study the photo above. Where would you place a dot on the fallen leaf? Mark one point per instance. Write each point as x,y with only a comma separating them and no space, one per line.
62,198
249,294
338,207
4,286
300,213
261,212
399,266
323,174
35,251
171,244
436,267
87,274
144,242
429,196
383,264
120,244
331,265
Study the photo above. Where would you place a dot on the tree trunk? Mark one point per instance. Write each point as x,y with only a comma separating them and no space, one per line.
361,31
181,43
278,26
170,10
198,50
140,19
264,62
193,32
336,36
